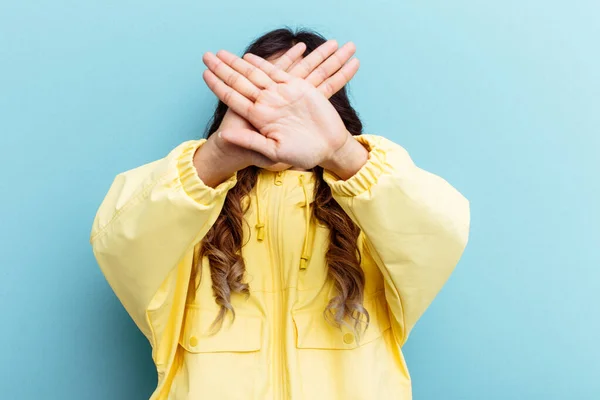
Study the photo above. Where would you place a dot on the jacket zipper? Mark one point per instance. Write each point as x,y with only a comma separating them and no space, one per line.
278,276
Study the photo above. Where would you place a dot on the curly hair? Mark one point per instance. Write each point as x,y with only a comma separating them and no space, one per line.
222,244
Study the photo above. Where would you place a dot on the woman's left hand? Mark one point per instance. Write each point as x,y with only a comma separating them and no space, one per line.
297,124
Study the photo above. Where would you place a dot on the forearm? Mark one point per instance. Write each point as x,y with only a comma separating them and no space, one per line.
149,218
415,224
214,167
347,160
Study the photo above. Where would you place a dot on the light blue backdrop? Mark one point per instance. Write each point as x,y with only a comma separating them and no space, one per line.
500,97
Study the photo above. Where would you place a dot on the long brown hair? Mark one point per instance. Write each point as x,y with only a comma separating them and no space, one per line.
222,244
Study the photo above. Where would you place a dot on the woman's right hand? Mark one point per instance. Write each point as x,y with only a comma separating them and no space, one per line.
217,159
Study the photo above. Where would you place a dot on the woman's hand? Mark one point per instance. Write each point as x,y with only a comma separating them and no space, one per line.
218,159
297,124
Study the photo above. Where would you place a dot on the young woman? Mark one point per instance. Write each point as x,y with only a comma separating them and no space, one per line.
288,256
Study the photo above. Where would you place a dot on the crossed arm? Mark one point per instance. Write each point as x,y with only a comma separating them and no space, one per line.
279,114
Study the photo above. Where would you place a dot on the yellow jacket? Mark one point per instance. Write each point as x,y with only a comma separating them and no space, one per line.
414,227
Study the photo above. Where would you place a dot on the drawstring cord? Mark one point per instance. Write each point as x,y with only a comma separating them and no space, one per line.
260,226
304,258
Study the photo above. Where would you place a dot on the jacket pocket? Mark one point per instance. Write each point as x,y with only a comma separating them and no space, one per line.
211,359
314,332
243,335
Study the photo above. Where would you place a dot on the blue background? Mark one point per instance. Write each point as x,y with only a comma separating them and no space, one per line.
499,97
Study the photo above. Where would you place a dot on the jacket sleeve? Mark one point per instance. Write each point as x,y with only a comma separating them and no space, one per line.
151,217
415,226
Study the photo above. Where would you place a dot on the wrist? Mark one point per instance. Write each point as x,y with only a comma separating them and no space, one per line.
212,167
348,159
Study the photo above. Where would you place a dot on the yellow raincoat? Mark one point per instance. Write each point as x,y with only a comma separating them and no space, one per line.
414,228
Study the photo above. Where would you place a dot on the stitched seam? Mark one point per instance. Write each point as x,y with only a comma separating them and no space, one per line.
386,274
134,200
153,338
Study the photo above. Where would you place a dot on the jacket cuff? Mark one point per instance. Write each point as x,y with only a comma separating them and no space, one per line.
366,176
191,182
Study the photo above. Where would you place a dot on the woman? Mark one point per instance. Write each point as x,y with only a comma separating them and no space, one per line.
288,256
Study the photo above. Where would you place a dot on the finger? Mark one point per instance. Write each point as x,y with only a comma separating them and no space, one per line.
251,72
332,64
291,56
227,95
332,85
250,140
231,78
314,59
274,73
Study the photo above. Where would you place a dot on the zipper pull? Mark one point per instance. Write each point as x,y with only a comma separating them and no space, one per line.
279,178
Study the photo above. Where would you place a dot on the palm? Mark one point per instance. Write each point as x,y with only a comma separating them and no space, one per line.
296,122
293,115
